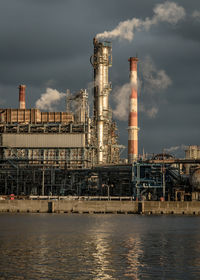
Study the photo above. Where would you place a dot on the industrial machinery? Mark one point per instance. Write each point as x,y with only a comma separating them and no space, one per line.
65,139
74,153
107,148
50,141
49,138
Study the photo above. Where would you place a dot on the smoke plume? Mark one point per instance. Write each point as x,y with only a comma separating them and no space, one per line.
196,15
151,83
121,98
148,109
153,80
175,148
168,12
48,99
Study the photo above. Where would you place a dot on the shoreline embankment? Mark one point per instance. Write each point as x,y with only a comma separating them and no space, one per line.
101,207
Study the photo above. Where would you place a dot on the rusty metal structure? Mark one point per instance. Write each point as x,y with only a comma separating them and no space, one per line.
49,138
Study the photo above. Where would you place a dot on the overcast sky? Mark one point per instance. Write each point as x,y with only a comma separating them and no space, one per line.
48,43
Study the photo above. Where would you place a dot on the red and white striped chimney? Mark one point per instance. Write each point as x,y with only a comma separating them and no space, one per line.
133,113
22,104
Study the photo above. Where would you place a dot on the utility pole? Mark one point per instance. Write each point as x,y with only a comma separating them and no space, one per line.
108,187
68,101
163,176
138,180
17,179
43,181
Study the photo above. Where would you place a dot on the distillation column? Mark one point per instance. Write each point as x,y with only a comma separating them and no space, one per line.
22,89
133,113
100,61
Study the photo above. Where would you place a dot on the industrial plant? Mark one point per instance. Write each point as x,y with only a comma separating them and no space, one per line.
77,153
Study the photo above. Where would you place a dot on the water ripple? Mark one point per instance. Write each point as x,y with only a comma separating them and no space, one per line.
107,247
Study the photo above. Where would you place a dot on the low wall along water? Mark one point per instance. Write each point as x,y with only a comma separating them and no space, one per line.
98,207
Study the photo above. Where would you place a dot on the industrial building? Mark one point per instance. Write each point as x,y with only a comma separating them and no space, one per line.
43,141
75,153
44,138
65,139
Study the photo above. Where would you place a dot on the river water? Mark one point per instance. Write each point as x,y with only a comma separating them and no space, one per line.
63,246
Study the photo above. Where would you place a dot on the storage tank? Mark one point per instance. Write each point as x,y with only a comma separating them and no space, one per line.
195,179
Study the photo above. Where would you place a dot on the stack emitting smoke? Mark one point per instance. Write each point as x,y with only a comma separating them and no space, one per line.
22,92
101,60
133,113
169,12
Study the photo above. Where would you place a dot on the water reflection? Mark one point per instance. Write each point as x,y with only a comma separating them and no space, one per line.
99,247
102,254
163,244
43,254
134,255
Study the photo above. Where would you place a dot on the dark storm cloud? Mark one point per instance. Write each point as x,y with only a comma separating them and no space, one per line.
48,43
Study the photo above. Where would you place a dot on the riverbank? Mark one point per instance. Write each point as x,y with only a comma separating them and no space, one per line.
101,207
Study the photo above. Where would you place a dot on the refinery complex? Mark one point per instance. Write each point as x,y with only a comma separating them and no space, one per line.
77,152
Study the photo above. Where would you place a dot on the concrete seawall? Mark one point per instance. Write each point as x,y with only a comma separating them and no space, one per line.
171,207
71,206
90,207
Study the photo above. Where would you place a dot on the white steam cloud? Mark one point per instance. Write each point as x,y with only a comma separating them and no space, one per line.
196,15
48,99
168,12
150,110
121,98
153,82
175,148
172,149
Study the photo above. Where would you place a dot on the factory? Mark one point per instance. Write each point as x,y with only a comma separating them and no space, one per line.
77,152
65,139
